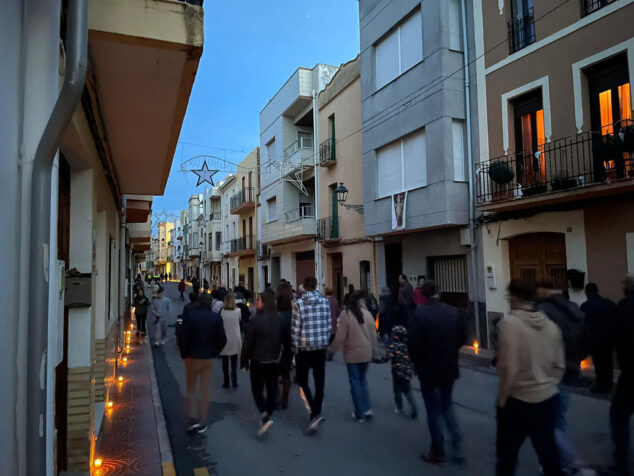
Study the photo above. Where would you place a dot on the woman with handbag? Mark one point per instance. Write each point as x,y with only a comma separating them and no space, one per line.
356,335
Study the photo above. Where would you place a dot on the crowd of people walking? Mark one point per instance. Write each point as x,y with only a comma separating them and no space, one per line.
540,344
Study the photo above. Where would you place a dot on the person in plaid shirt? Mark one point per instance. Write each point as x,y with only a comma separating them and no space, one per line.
310,332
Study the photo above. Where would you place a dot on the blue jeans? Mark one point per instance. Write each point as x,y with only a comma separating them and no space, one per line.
359,388
562,433
439,406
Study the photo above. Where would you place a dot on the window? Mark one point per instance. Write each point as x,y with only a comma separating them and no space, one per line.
195,242
271,209
459,166
305,140
521,25
589,6
530,138
402,165
211,247
455,26
218,239
400,50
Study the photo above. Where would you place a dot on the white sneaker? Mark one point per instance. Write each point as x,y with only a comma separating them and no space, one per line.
313,427
357,419
265,427
398,412
163,341
369,413
157,344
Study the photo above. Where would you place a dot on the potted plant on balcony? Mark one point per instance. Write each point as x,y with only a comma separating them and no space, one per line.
563,182
535,189
501,173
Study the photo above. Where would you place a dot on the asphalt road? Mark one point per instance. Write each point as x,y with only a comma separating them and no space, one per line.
390,444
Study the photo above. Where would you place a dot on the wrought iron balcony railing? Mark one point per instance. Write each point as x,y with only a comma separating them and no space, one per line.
589,158
590,6
327,153
244,243
521,31
328,228
246,195
305,211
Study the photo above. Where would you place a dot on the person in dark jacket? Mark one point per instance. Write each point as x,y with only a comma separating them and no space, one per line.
437,332
623,401
346,297
567,315
202,338
599,313
266,335
386,314
141,305
285,309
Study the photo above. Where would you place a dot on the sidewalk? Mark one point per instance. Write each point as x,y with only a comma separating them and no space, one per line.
133,430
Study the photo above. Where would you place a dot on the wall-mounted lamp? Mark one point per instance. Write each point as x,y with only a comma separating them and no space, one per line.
342,196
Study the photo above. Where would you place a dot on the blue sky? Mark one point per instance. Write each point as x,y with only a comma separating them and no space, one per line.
251,48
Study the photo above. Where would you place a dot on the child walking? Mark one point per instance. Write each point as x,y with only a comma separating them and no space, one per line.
402,372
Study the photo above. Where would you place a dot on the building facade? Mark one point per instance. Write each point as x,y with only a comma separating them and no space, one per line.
230,234
242,204
286,213
415,130
347,254
555,187
79,176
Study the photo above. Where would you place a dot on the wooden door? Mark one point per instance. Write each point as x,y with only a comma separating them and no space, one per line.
538,256
304,266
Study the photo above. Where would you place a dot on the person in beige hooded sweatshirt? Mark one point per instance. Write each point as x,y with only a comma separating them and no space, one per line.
356,335
530,365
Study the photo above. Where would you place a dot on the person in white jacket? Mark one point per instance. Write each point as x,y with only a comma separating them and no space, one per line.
231,320
530,365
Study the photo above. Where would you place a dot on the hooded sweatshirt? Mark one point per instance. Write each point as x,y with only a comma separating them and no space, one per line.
311,325
530,357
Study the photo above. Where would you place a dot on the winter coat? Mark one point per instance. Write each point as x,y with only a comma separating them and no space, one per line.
335,310
436,334
569,318
386,314
358,340
599,321
530,357
624,334
141,305
231,324
202,334
265,337
419,299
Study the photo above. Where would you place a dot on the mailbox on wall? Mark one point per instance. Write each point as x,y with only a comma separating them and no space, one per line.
78,290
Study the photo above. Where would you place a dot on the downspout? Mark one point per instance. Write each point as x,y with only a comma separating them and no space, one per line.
65,106
122,272
472,238
316,173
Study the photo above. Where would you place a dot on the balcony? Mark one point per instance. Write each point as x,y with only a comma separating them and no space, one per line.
590,6
243,201
327,153
580,167
328,228
262,251
305,211
297,155
521,31
243,246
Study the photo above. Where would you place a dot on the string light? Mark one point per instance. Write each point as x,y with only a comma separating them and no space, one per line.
125,359
120,379
110,404
98,462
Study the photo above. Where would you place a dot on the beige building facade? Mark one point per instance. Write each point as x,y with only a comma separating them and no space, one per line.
556,174
348,256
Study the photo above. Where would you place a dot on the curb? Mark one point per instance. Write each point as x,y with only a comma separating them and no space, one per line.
165,448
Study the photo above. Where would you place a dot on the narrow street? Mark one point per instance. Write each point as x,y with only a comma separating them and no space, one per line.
388,445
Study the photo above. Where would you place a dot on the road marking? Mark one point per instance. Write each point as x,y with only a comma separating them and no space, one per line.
168,469
201,472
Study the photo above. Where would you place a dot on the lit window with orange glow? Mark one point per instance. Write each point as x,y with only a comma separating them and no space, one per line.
541,140
605,105
625,103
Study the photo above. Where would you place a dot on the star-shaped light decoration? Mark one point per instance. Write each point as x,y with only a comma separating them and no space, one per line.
205,175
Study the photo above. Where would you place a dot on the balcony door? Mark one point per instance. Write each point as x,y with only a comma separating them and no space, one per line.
538,256
528,113
610,111
334,231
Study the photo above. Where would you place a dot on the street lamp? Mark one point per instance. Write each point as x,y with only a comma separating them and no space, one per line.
342,196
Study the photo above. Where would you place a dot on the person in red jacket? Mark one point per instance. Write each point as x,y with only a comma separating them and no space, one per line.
181,289
419,299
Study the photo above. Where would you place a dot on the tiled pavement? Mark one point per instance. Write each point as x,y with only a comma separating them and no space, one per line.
128,443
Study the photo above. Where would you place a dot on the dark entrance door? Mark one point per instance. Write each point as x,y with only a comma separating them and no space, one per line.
538,256
337,274
304,266
393,263
250,279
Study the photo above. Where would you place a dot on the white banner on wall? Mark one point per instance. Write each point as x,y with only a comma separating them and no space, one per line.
399,202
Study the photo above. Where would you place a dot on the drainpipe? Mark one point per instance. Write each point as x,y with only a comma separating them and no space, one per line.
473,242
316,172
122,274
65,106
